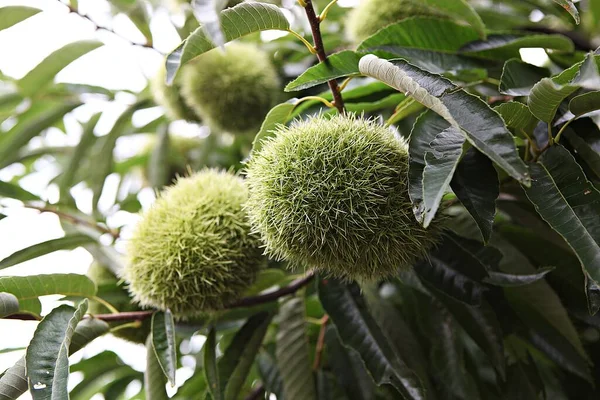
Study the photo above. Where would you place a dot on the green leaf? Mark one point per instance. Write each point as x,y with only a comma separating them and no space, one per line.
482,126
517,116
585,139
422,33
13,191
269,373
238,21
570,7
348,368
24,131
68,242
9,304
512,280
459,10
344,63
14,381
238,359
154,378
27,289
435,148
570,204
585,103
210,365
278,115
506,46
12,15
265,279
358,330
292,352
475,183
85,143
547,95
163,342
207,14
43,74
518,77
47,358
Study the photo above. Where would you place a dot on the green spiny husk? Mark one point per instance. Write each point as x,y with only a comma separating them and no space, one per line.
232,90
170,99
193,252
332,194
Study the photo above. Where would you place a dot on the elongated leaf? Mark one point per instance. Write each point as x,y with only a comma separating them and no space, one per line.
570,7
458,10
349,368
279,114
47,357
547,95
210,365
44,73
14,381
269,373
518,77
358,330
9,304
517,116
585,103
344,63
163,342
27,289
422,33
506,46
475,183
585,139
23,132
154,378
12,15
440,164
570,204
511,280
482,126
68,242
241,20
292,352
237,361
85,143
13,191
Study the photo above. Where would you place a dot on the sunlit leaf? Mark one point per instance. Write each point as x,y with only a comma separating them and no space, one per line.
344,63
12,15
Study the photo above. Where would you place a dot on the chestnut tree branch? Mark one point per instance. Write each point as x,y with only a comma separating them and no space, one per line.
315,27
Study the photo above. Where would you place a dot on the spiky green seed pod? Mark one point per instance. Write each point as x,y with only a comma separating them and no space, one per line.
109,289
170,99
193,252
332,194
232,90
372,15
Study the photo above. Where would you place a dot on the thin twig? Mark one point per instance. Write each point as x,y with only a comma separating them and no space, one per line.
315,27
320,342
293,287
256,393
75,220
104,28
268,297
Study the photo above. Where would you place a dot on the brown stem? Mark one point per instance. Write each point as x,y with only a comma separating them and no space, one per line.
103,28
268,297
75,220
256,393
315,22
320,342
245,302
